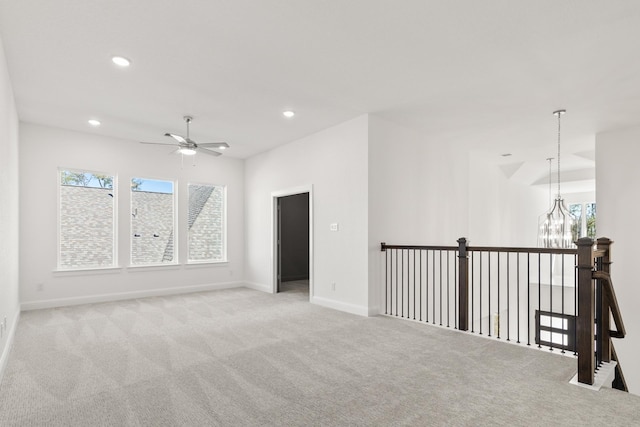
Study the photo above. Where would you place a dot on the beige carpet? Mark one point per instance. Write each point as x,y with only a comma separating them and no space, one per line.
244,358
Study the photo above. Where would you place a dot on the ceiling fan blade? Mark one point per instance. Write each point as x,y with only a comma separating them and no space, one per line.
209,152
221,145
157,143
178,138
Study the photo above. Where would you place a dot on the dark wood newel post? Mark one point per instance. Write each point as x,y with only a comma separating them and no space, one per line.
463,285
586,311
604,244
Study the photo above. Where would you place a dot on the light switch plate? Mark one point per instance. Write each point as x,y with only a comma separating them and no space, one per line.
333,227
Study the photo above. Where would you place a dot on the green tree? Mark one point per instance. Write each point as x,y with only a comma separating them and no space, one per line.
136,183
79,179
105,181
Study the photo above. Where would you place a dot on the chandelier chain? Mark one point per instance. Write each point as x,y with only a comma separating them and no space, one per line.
549,159
559,114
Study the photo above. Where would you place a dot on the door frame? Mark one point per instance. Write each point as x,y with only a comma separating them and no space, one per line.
275,195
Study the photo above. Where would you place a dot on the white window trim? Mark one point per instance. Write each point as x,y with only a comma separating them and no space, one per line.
224,226
176,236
583,216
114,265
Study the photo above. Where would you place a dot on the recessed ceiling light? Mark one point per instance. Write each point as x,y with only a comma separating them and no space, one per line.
94,122
121,61
288,114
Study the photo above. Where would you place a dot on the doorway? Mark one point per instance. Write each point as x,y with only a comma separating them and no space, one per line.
293,270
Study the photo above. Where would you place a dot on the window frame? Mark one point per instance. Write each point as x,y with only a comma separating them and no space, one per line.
584,229
224,226
175,261
115,244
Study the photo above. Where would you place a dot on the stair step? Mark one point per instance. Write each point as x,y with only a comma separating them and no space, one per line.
603,378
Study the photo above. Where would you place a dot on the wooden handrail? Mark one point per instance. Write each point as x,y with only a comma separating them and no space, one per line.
613,303
570,251
599,253
619,381
384,247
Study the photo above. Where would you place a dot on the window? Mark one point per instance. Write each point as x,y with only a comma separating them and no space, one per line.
207,223
555,330
585,214
86,220
152,222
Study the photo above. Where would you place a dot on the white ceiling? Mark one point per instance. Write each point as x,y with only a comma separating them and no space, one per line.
487,74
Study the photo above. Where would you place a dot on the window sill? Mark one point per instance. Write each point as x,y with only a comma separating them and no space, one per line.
96,270
192,264
153,267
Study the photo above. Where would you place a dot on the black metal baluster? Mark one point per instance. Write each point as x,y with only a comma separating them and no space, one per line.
498,331
414,284
480,292
420,288
426,288
472,293
448,311
508,302
564,319
528,298
599,314
489,291
518,295
402,283
575,303
396,283
408,298
455,292
539,290
386,282
575,295
440,292
551,301
433,293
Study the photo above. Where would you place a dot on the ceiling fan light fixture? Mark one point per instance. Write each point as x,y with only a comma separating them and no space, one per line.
121,61
187,151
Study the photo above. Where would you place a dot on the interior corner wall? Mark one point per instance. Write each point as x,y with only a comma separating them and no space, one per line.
617,183
44,149
334,162
501,212
9,218
418,193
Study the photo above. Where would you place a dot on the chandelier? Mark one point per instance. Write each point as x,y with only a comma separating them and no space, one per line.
556,226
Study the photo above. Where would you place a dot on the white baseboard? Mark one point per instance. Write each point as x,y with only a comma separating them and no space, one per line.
4,358
90,299
258,287
342,306
374,311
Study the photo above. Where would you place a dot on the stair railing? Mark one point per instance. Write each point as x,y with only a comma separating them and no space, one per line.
493,290
597,300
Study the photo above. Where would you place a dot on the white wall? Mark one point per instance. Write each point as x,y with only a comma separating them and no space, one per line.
502,211
44,149
418,194
9,246
334,162
617,183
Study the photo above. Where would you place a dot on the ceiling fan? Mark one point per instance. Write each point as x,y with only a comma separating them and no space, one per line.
188,147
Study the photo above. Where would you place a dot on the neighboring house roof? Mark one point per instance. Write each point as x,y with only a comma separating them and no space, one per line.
86,220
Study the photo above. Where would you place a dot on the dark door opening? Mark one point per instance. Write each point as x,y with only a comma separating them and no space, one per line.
293,243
